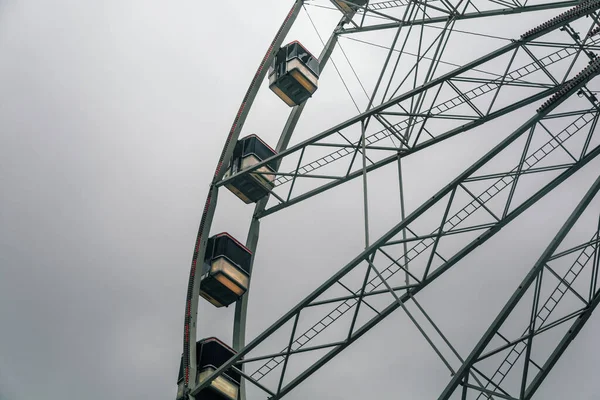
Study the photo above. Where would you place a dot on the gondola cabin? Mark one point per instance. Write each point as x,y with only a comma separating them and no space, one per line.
254,186
211,353
294,74
225,271
349,6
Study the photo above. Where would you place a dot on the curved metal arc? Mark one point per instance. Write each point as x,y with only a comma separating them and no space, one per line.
214,198
192,297
403,224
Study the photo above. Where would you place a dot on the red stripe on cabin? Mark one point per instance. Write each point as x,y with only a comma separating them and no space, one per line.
260,140
214,339
234,239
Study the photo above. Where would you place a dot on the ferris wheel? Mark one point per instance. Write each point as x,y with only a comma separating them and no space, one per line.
458,118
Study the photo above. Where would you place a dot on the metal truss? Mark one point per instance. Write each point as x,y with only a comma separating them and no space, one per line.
465,215
528,373
412,132
514,349
499,182
383,5
377,16
400,122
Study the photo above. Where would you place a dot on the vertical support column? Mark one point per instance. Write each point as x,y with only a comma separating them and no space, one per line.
402,216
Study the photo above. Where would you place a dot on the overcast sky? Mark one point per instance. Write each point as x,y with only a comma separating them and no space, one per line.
112,118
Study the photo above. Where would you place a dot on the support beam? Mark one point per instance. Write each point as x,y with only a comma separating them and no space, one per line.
531,277
570,89
472,15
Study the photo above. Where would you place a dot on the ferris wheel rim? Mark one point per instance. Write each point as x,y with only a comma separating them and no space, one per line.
217,183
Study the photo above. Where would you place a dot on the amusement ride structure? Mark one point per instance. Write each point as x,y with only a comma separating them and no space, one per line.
537,88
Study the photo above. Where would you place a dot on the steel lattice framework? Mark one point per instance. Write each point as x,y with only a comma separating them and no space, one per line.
545,78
